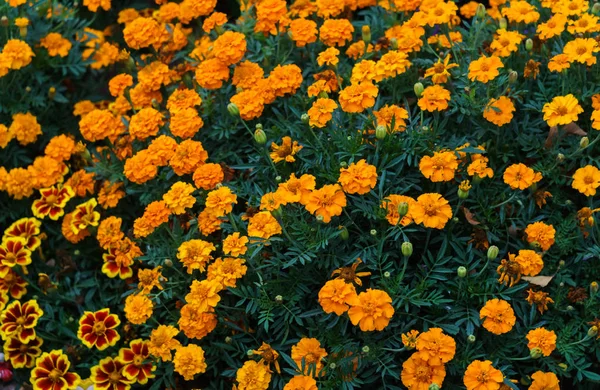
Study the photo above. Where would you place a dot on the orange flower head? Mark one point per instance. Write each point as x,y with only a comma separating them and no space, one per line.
530,262
371,310
418,373
586,180
540,233
22,355
543,339
562,110
13,252
434,98
321,111
498,316
327,202
481,375
539,298
285,151
308,355
357,97
499,111
226,272
138,308
440,167
335,295
336,32
162,342
432,210
189,361
544,381
485,69
435,347
358,178
519,176
195,254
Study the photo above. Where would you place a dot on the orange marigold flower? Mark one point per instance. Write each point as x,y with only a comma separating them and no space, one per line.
434,98
253,375
499,111
185,123
320,112
162,342
519,176
303,31
409,339
440,167
392,117
230,47
543,339
586,180
418,373
392,202
268,15
285,79
326,202
109,375
192,9
183,98
46,171
506,42
19,320
93,5
138,308
81,182
247,74
98,125
141,33
235,245
329,57
19,183
207,176
52,202
204,295
539,298
118,84
109,231
22,355
216,19
435,347
392,64
13,251
263,225
285,151
498,316
195,254
140,168
67,231
56,45
439,71
485,68
110,194
250,104
195,323
145,123
142,96
301,382
521,11
221,201
226,271
357,97
530,262
432,210
188,156
541,233
335,295
582,50
553,27
358,178
208,222
336,32
51,372
60,147
296,190
211,73
371,310
562,110
189,361
25,128
481,375
544,381
154,75
97,329
5,136
161,149
16,54
168,11
308,353
179,197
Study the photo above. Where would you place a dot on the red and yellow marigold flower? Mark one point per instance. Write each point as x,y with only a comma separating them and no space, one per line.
98,329
12,283
28,228
84,215
19,320
13,251
109,375
136,359
51,372
115,265
52,202
22,354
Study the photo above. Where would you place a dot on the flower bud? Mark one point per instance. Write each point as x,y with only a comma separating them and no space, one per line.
394,43
563,366
535,245
471,338
323,95
407,249
278,299
228,340
513,76
462,194
249,352
503,23
455,220
373,232
278,179
233,109
596,8
4,21
366,349
258,126
418,88
461,272
168,263
28,89
77,252
320,218
536,353
366,33
305,118
23,31
435,386
387,274
343,164
344,234
585,141
561,263
492,252
560,157
594,287
51,93
380,132
402,209
260,136
570,308
529,44
593,331
277,213
332,366
480,12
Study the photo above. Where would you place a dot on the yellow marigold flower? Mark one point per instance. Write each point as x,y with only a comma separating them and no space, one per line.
541,233
16,3
230,47
481,375
434,98
150,278
109,231
285,151
392,117
336,32
16,54
235,245
185,123
485,68
183,98
211,73
371,310
521,11
392,64
582,50
358,178
328,57
179,197
93,5
586,180
544,381
543,339
439,71
321,111
435,347
499,111
208,222
308,353
420,374
586,23
56,45
303,31
432,210
468,10
326,202
530,262
357,97
189,361
506,42
440,167
188,156
226,271
553,27
296,190
498,316
162,342
409,339
263,225
270,201
335,295
5,136
247,74
519,176
195,254
138,308
141,33
204,295
253,376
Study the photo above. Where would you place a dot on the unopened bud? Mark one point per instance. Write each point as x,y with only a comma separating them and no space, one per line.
480,12
593,331
560,157
402,209
278,299
278,179
536,353
259,126
77,252
373,232
585,141
28,89
323,95
320,218
435,386
503,23
168,263
366,349
561,263
23,31
418,88
51,93
535,245
343,164
394,43
387,274
462,194
492,252
513,76
563,366
407,249
594,287
529,44
366,33
4,21
249,352
380,132
332,366
260,136
455,219
228,340
233,109
570,308
305,118
471,338
596,8
461,272
344,234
